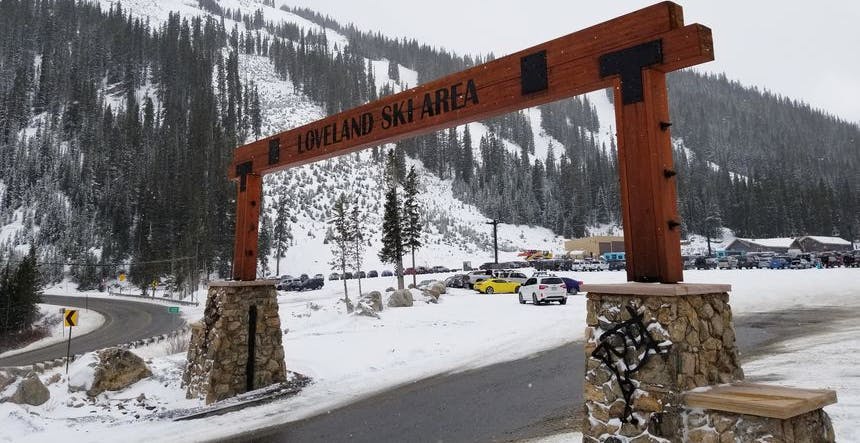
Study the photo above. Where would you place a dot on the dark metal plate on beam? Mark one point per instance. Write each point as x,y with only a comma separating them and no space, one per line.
242,170
628,63
533,73
274,151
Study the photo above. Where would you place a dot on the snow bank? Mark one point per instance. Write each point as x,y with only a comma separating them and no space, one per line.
89,321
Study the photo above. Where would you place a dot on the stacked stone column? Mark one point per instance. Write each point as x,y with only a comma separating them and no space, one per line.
219,348
692,325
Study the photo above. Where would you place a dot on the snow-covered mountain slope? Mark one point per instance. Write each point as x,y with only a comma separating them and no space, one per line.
454,231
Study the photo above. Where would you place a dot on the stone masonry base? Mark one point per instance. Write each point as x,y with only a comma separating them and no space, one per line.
218,355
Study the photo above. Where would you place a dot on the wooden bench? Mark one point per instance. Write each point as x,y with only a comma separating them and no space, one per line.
760,400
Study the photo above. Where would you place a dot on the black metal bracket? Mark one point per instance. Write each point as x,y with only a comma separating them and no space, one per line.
665,125
533,73
621,346
673,224
274,151
628,63
669,173
242,171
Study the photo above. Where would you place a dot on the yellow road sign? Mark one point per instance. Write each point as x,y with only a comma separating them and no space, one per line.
70,318
122,277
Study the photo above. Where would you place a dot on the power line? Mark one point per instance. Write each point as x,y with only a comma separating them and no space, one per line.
108,265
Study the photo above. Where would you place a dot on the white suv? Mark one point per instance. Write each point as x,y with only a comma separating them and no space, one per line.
543,290
478,275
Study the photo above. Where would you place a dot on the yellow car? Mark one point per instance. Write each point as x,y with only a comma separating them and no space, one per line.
496,285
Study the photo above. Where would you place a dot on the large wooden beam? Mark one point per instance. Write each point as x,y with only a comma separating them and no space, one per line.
571,68
248,201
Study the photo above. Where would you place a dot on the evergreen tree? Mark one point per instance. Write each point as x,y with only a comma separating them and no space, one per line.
282,235
264,243
393,71
357,246
392,236
411,222
341,242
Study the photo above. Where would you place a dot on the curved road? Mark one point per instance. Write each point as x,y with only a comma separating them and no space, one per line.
125,321
536,396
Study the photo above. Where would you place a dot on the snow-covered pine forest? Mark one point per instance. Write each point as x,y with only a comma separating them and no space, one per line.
117,124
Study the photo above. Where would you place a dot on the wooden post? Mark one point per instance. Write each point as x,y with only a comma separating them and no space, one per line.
250,192
652,236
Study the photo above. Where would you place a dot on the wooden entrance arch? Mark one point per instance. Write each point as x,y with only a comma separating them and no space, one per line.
631,53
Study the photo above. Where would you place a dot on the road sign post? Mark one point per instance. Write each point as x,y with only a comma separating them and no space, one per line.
70,318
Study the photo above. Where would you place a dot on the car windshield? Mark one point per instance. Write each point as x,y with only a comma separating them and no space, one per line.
551,281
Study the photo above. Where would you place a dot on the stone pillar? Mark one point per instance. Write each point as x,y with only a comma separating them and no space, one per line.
218,355
684,334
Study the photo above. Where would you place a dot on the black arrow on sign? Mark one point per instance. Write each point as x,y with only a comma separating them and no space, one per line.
70,318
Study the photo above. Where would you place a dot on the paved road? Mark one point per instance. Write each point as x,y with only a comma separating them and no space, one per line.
540,395
125,321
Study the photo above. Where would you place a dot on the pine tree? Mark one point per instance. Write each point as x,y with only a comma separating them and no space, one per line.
411,222
264,243
357,246
392,236
393,71
282,235
341,242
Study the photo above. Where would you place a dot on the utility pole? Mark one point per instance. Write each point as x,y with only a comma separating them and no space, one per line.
495,224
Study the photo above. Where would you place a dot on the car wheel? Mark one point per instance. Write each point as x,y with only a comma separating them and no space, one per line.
522,300
489,290
534,300
563,301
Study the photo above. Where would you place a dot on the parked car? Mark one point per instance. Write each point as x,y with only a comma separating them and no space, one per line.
438,270
334,276
496,285
543,290
727,263
294,284
347,276
457,281
799,263
516,276
572,285
311,284
372,274
387,274
478,275
361,274
423,270
284,283
409,271
303,277
491,265
747,262
779,263
705,263
617,265
319,276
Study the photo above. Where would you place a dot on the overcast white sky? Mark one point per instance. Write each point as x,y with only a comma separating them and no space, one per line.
805,50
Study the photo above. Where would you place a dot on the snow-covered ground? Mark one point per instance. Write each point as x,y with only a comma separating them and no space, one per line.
353,357
52,319
828,361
